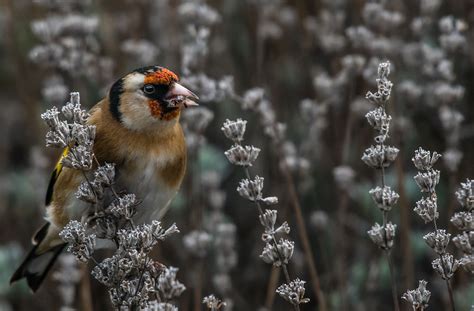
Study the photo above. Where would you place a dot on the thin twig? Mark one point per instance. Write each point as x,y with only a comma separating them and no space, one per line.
271,288
303,235
393,281
275,244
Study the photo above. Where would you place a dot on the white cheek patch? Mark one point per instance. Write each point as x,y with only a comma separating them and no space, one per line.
133,82
136,113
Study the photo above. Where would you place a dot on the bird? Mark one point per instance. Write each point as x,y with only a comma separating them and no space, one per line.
137,129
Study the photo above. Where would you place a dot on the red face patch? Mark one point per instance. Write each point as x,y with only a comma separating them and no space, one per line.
158,112
161,76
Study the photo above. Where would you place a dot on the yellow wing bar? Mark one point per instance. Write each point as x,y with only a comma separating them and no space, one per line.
54,176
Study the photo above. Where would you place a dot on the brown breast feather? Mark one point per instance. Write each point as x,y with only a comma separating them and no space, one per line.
113,143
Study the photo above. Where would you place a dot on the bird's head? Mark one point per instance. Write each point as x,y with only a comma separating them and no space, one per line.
149,97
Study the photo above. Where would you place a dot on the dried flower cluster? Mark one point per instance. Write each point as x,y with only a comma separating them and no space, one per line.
290,162
380,156
213,303
133,278
419,297
69,46
72,133
427,179
277,251
464,221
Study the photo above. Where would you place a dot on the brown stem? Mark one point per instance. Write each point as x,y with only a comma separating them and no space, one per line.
385,221
271,288
392,279
451,298
85,289
448,284
303,234
275,243
342,249
341,257
197,290
405,226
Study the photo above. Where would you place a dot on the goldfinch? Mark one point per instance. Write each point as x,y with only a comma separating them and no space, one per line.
137,128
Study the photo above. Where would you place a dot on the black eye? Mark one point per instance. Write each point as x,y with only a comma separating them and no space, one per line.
149,89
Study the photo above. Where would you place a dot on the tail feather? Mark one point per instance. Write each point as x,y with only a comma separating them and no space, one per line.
36,266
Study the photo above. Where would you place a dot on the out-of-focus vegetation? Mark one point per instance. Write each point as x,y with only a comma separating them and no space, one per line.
313,62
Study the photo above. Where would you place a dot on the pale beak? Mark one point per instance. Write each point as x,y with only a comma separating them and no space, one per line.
179,96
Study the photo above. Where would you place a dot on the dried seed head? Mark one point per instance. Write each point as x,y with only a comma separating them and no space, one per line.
283,249
80,244
105,227
251,189
167,284
213,303
465,194
464,221
419,297
385,197
79,158
234,130
242,156
268,219
427,209
428,180
383,237
105,174
379,156
424,160
465,242
293,292
379,120
270,200
73,112
446,266
438,240
161,233
124,206
384,86
51,118
86,193
467,262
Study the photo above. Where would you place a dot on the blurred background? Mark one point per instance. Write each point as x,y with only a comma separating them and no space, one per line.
312,62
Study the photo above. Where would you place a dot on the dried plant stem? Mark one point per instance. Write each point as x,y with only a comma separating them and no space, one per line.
450,292
448,283
300,223
271,288
342,249
405,227
303,234
341,263
393,282
405,224
86,297
274,242
197,290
